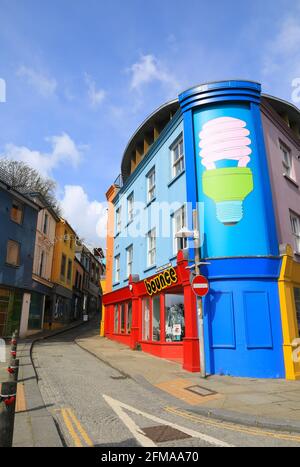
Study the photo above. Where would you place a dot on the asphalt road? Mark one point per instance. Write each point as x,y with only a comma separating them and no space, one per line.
95,405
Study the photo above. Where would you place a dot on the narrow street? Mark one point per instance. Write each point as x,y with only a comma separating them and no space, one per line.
96,405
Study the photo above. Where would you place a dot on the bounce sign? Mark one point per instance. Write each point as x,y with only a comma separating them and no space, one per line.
161,281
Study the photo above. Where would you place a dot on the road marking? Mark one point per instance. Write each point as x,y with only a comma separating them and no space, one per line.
83,433
70,428
231,427
75,428
138,433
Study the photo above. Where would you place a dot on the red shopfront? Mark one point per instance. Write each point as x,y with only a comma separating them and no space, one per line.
158,314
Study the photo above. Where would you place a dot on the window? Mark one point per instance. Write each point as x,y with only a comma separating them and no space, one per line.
45,226
118,220
151,186
71,242
156,318
287,161
297,303
69,274
41,268
16,213
122,318
130,202
129,317
116,321
295,221
179,221
117,268
151,239
13,253
146,319
63,266
177,157
129,253
65,236
174,313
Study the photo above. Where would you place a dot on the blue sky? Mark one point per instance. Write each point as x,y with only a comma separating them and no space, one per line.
81,75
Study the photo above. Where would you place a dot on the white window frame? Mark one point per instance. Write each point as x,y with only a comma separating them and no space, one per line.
130,203
295,225
179,243
151,185
287,159
118,220
117,268
180,159
151,247
129,259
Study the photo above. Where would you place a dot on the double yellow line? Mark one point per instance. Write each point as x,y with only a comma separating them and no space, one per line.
75,429
228,426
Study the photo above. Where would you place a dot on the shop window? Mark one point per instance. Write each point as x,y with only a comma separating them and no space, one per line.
122,318
156,318
297,303
13,253
129,317
16,213
36,311
174,316
146,319
116,320
177,157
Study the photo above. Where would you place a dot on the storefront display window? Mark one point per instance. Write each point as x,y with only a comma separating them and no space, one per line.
297,302
36,311
146,319
116,322
174,317
129,317
156,318
122,320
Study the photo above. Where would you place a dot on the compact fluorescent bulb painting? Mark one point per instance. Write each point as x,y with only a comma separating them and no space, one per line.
226,138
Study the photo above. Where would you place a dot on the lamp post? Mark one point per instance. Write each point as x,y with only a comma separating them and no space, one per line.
195,235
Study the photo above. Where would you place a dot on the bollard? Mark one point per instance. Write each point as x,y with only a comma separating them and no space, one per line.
13,370
7,413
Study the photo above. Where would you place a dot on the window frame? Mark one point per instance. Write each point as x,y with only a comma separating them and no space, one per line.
150,238
63,258
17,264
46,224
129,264
130,203
118,220
117,269
151,189
287,164
69,270
180,160
183,212
296,234
21,205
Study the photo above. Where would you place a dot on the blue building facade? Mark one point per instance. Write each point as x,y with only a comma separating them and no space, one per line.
18,218
225,175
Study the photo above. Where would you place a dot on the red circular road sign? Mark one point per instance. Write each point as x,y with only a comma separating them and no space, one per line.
200,286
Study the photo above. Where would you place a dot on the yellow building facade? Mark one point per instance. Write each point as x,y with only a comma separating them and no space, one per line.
289,289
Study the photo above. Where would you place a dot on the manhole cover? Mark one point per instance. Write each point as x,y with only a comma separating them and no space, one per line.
200,391
164,433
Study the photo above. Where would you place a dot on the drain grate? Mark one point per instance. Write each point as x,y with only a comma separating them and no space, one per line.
164,433
119,377
200,391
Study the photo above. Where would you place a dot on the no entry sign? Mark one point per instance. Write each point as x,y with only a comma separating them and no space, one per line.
200,286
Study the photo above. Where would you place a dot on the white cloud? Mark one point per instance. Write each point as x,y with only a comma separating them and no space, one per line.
44,85
88,218
95,96
63,150
150,69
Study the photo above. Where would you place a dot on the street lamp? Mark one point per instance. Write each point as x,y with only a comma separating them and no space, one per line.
195,235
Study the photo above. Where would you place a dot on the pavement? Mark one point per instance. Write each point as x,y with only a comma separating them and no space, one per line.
267,403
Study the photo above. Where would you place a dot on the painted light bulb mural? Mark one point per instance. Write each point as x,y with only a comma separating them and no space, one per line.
226,139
